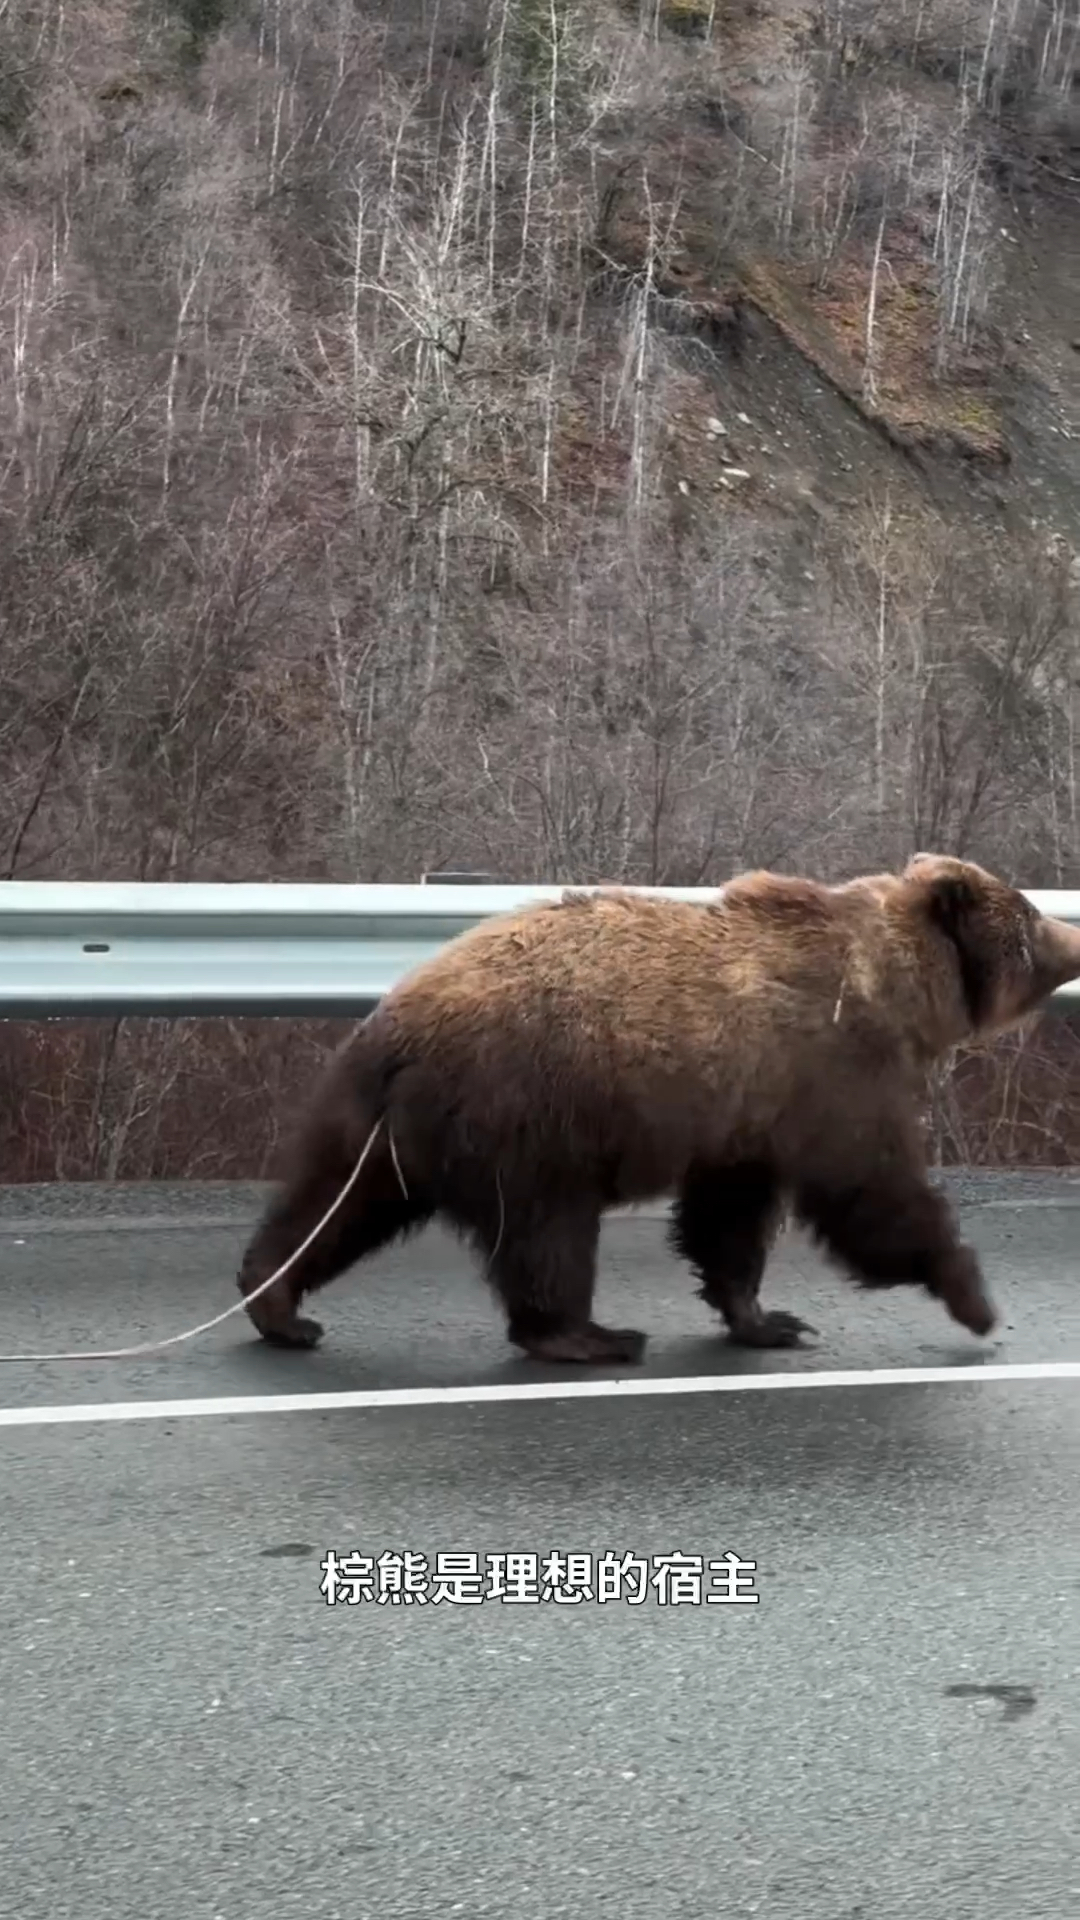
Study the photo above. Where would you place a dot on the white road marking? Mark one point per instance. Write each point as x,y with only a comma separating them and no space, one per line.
632,1388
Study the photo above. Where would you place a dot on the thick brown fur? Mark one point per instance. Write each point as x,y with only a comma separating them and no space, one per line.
764,1051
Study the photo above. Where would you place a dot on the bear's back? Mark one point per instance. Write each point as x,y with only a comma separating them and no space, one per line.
642,976
632,1032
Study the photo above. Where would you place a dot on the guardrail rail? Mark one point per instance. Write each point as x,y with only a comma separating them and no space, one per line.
85,949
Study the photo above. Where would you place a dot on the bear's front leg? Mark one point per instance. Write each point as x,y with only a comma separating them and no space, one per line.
724,1225
544,1268
892,1229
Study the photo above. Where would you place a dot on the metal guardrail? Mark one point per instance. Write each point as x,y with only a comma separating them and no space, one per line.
157,949
87,949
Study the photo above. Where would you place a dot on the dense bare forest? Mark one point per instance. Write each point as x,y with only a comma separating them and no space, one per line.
595,441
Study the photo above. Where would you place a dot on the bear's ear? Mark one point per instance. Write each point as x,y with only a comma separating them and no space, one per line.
951,900
955,906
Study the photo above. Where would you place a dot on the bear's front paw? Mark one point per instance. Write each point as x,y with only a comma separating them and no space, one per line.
590,1345
774,1329
962,1294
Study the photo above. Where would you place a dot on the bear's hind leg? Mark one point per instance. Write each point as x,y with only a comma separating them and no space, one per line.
893,1229
543,1266
724,1223
376,1211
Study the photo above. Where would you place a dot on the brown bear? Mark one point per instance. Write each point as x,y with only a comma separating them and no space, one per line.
766,1049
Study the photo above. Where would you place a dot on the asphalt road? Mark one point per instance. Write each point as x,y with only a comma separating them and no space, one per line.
191,1732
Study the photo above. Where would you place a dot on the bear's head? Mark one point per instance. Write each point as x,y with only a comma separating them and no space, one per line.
1010,956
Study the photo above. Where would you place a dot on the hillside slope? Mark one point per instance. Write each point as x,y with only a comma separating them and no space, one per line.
607,440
